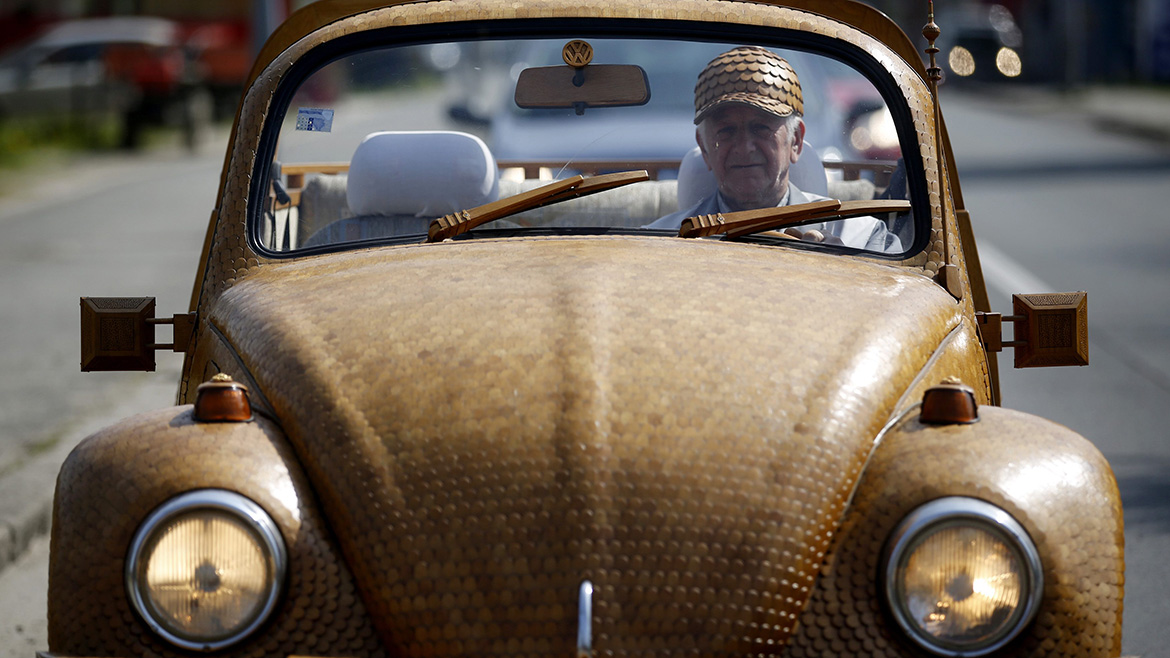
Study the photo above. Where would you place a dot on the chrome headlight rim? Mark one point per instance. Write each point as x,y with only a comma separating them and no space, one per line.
956,510
246,511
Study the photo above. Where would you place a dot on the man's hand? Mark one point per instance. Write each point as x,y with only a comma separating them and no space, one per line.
812,235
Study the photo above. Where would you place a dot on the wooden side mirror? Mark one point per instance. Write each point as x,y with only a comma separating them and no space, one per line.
118,333
1050,330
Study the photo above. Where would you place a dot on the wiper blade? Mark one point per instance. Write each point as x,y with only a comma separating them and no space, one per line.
448,226
744,222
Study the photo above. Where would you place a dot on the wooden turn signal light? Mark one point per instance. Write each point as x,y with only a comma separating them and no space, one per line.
949,403
222,400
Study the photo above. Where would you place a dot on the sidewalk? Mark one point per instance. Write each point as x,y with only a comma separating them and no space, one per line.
1141,112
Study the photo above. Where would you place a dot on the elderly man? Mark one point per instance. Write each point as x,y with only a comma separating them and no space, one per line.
750,129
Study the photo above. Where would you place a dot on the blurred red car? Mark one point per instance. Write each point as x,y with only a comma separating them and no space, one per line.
133,67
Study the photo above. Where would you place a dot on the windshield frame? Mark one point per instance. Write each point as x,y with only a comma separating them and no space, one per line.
588,28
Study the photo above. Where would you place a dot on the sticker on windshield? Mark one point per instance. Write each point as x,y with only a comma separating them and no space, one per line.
314,120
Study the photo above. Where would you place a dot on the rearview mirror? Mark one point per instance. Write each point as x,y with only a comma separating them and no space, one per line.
565,87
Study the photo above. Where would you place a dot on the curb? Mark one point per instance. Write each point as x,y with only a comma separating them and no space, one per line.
26,493
1134,128
26,501
1133,111
1139,112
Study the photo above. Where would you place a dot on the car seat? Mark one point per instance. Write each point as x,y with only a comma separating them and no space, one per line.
399,181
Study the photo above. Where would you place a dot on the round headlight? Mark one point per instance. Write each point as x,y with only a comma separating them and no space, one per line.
205,569
962,577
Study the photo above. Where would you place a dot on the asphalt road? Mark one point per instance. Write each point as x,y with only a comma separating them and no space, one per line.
1057,205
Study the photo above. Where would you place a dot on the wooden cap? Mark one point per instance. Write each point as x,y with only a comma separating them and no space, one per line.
750,76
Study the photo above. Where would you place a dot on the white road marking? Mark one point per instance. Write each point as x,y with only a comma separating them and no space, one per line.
1006,275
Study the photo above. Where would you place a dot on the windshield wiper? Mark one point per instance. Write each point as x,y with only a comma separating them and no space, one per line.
744,222
448,226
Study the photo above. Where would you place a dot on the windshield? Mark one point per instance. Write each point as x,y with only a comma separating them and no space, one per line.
378,145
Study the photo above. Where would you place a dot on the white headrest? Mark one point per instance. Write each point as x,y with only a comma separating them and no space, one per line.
808,172
696,182
422,173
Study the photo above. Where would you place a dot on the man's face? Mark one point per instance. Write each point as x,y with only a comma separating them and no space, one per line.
749,151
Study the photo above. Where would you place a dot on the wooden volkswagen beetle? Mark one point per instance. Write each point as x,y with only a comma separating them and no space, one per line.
583,399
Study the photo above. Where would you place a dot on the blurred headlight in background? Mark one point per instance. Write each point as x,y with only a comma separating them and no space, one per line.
961,61
1008,62
875,131
962,577
444,56
206,569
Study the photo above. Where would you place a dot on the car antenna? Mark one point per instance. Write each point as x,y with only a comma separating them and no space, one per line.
948,272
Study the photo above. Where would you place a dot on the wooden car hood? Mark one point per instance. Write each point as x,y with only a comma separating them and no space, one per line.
489,423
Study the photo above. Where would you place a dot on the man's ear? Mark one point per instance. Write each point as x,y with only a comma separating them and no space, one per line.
797,140
702,147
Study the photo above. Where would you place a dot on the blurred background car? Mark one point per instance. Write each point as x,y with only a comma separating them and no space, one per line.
135,69
982,42
221,58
